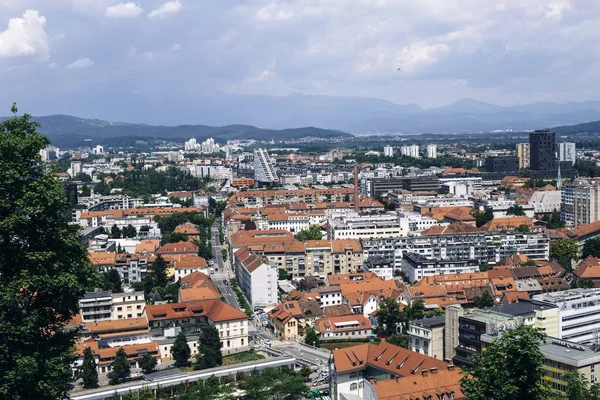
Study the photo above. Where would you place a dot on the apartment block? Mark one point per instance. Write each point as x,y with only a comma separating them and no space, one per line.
580,202
426,336
106,306
523,153
257,279
366,225
416,266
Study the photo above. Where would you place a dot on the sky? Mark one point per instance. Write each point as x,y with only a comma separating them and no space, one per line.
96,56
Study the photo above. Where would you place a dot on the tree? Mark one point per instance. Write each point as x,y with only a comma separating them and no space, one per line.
555,221
482,218
158,272
414,311
120,368
282,274
564,250
224,254
181,351
584,283
516,210
147,363
311,338
388,317
483,300
398,340
44,270
591,247
115,232
86,191
209,348
129,231
523,228
89,373
509,369
112,281
312,233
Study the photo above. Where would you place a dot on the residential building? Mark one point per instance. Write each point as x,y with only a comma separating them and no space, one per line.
426,336
118,333
290,319
264,168
416,266
388,151
187,264
351,367
127,305
104,356
344,327
431,151
580,202
364,225
567,152
242,182
588,269
410,183
167,320
542,150
106,306
178,249
577,308
262,198
257,279
523,153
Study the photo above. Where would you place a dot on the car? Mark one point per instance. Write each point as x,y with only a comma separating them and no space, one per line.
267,342
226,283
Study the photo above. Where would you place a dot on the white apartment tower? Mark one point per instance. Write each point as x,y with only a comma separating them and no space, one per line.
566,152
580,202
264,168
431,151
523,152
388,151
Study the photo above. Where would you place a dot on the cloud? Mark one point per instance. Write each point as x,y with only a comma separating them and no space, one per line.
124,10
81,63
25,36
166,9
176,47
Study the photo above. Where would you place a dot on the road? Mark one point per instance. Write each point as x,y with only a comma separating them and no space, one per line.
223,271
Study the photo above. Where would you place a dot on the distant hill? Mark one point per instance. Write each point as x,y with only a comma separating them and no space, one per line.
69,131
586,128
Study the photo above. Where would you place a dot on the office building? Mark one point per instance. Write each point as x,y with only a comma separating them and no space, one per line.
501,164
542,150
364,225
431,151
264,168
388,151
523,152
566,152
577,311
580,202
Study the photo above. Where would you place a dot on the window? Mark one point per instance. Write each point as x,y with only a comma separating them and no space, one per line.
353,375
354,386
360,384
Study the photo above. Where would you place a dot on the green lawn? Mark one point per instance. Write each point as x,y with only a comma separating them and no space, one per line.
242,357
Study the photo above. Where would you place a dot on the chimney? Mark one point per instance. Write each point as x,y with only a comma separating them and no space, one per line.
356,205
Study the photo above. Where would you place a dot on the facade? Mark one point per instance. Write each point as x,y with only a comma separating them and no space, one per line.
264,168
416,266
545,201
388,151
523,152
257,279
577,309
567,152
411,183
542,150
580,202
354,326
431,151
426,336
128,305
501,164
106,306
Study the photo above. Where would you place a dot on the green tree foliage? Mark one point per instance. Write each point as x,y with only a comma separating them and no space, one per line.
509,369
483,300
209,389
129,231
158,272
398,340
216,207
88,372
282,274
147,363
585,283
81,177
115,232
86,191
414,311
591,247
224,254
44,270
482,218
172,237
209,348
112,281
578,388
273,384
181,351
311,338
312,233
516,210
120,368
388,317
564,250
523,228
554,220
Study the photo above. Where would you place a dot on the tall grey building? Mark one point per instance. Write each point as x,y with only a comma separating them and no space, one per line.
542,146
264,168
566,152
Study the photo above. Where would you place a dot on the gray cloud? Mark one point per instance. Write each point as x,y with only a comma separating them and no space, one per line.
506,52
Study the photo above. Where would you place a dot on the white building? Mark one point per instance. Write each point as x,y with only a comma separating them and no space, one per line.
410,151
106,306
257,279
462,187
500,207
431,151
98,150
416,266
359,225
426,336
75,168
50,153
567,152
174,156
578,311
544,202
580,202
291,222
388,151
264,168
